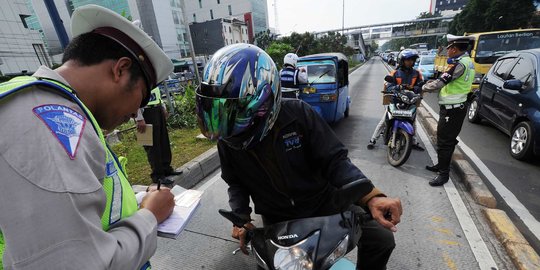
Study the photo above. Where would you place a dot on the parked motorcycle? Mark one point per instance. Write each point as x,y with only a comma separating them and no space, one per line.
399,131
315,243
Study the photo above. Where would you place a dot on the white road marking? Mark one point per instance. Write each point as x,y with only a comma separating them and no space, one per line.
510,199
477,244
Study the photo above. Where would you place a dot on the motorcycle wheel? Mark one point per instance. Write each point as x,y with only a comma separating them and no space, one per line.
401,151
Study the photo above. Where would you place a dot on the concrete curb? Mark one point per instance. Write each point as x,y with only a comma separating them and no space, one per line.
198,168
522,254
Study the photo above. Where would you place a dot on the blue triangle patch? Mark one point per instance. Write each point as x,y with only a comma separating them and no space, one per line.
66,125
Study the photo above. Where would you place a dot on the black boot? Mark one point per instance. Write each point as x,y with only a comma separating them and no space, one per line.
434,168
440,180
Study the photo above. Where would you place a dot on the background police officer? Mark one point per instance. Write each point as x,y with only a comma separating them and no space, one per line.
159,154
65,202
291,77
455,85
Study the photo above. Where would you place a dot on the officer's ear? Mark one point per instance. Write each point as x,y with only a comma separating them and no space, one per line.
121,68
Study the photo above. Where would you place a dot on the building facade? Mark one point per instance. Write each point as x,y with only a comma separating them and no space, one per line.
21,48
161,19
164,22
253,12
447,7
210,36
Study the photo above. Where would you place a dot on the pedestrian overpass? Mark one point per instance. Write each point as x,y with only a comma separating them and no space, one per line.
360,36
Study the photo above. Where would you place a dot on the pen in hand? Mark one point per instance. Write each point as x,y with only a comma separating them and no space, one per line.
158,184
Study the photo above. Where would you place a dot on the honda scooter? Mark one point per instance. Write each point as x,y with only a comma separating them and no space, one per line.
315,243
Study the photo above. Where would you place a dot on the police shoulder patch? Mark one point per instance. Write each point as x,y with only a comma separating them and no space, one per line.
65,124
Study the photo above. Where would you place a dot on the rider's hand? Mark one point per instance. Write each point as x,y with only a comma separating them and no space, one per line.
386,211
141,126
240,234
159,202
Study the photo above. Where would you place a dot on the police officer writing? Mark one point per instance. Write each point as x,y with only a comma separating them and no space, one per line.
291,77
281,153
159,154
65,202
454,85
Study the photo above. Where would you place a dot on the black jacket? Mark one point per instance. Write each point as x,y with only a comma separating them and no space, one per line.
292,171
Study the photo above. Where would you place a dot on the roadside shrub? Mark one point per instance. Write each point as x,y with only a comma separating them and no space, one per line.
184,110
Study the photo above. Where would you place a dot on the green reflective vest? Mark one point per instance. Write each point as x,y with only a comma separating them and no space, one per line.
121,201
155,97
456,91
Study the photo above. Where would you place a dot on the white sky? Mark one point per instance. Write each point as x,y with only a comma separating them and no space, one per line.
319,15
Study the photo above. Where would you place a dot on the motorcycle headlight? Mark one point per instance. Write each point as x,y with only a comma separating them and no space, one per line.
296,257
338,252
404,98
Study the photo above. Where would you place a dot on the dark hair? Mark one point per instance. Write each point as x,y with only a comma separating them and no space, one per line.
91,48
461,46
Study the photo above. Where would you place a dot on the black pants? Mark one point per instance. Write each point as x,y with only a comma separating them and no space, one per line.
374,247
159,155
448,128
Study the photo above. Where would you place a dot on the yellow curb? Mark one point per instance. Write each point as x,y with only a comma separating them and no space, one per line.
519,250
480,192
523,256
431,125
503,227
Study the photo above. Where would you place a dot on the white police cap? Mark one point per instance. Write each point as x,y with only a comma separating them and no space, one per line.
155,64
452,39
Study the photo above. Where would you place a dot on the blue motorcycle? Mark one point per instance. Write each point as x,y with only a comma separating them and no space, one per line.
399,131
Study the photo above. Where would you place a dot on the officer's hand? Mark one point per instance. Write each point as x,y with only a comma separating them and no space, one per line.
240,234
386,211
141,126
160,203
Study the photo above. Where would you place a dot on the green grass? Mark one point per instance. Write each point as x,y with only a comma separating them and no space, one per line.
1,250
184,147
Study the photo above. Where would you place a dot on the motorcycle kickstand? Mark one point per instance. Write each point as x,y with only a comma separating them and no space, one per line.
248,247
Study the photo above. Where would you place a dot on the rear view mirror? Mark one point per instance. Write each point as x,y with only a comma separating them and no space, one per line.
389,79
513,84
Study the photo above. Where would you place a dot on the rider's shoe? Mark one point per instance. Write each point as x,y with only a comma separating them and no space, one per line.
371,144
418,147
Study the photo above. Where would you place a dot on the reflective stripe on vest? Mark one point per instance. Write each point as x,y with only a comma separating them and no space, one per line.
456,91
288,78
155,97
121,201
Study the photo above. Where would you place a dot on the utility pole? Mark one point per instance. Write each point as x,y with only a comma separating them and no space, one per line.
343,25
195,67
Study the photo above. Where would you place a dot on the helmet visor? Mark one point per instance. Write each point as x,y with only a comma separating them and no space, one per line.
229,118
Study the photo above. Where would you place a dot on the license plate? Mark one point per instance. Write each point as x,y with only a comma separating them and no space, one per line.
402,113
309,90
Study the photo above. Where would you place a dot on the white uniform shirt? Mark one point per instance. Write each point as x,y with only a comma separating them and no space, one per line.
51,205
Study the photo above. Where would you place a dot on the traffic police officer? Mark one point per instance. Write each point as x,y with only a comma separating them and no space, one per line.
159,154
455,84
65,202
291,77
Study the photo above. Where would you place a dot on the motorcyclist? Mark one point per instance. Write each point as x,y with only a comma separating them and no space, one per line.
407,79
281,153
291,77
